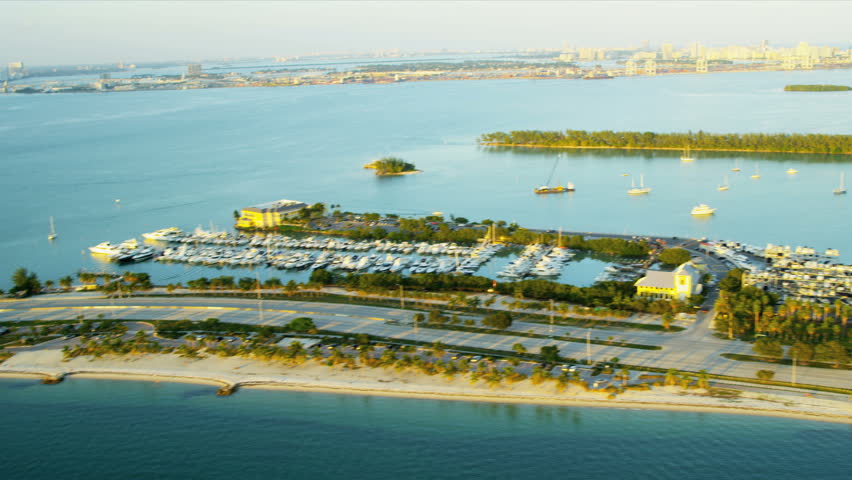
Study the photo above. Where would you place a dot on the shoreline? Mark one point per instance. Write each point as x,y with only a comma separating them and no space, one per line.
237,373
603,147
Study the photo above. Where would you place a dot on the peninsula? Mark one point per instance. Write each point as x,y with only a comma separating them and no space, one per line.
387,166
721,142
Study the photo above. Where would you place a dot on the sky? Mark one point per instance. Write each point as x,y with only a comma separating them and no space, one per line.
86,32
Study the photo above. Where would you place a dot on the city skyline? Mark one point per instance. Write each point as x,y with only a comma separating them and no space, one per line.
62,33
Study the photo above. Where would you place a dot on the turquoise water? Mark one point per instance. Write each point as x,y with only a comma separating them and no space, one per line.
189,158
114,429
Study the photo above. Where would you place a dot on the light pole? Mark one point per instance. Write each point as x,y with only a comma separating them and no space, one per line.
588,347
551,317
259,298
794,368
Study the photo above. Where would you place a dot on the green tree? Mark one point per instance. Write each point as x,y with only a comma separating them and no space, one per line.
668,317
674,256
801,351
25,283
519,348
765,375
733,281
499,320
832,351
65,282
768,347
550,354
301,324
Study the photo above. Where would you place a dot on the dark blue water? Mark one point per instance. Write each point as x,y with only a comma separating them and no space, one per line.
112,429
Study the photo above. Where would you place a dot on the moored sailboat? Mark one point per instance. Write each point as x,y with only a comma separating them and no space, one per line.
842,188
642,189
52,234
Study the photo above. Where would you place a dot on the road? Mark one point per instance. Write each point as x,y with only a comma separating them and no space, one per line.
693,349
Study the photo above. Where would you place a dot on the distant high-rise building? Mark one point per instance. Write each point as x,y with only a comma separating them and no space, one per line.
701,65
193,69
15,69
630,68
764,46
668,51
697,50
650,67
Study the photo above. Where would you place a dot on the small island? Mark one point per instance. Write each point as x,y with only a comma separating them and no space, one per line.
392,166
816,88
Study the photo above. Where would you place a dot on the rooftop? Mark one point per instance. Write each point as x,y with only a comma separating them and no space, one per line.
278,205
657,279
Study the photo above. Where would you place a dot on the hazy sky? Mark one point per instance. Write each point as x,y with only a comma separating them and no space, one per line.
71,32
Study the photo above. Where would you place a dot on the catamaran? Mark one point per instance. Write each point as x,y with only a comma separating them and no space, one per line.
842,188
724,185
642,189
686,157
52,234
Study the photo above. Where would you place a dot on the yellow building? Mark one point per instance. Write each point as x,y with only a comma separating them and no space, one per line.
680,284
271,214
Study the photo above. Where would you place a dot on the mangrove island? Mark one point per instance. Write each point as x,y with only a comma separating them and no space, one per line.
738,142
816,88
392,166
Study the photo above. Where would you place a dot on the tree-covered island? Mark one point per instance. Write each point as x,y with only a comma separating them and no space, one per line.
740,142
816,88
392,166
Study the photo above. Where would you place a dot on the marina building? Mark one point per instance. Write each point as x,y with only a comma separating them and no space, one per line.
271,214
680,284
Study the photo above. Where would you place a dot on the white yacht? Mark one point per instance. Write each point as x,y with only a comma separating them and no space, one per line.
702,209
792,171
105,248
724,185
641,189
686,157
163,234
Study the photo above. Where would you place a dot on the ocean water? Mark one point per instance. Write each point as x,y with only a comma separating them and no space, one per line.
96,429
188,158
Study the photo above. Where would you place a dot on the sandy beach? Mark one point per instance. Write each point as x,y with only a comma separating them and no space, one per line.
312,376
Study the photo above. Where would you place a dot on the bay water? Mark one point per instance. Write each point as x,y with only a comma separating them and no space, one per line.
86,428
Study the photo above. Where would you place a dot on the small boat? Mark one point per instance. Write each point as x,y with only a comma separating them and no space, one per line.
724,185
52,234
756,172
642,189
686,157
792,171
702,209
842,188
736,166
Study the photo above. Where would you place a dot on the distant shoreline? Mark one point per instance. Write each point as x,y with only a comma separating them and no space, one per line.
310,377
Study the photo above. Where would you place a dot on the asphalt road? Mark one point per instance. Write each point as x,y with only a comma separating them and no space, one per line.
692,349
